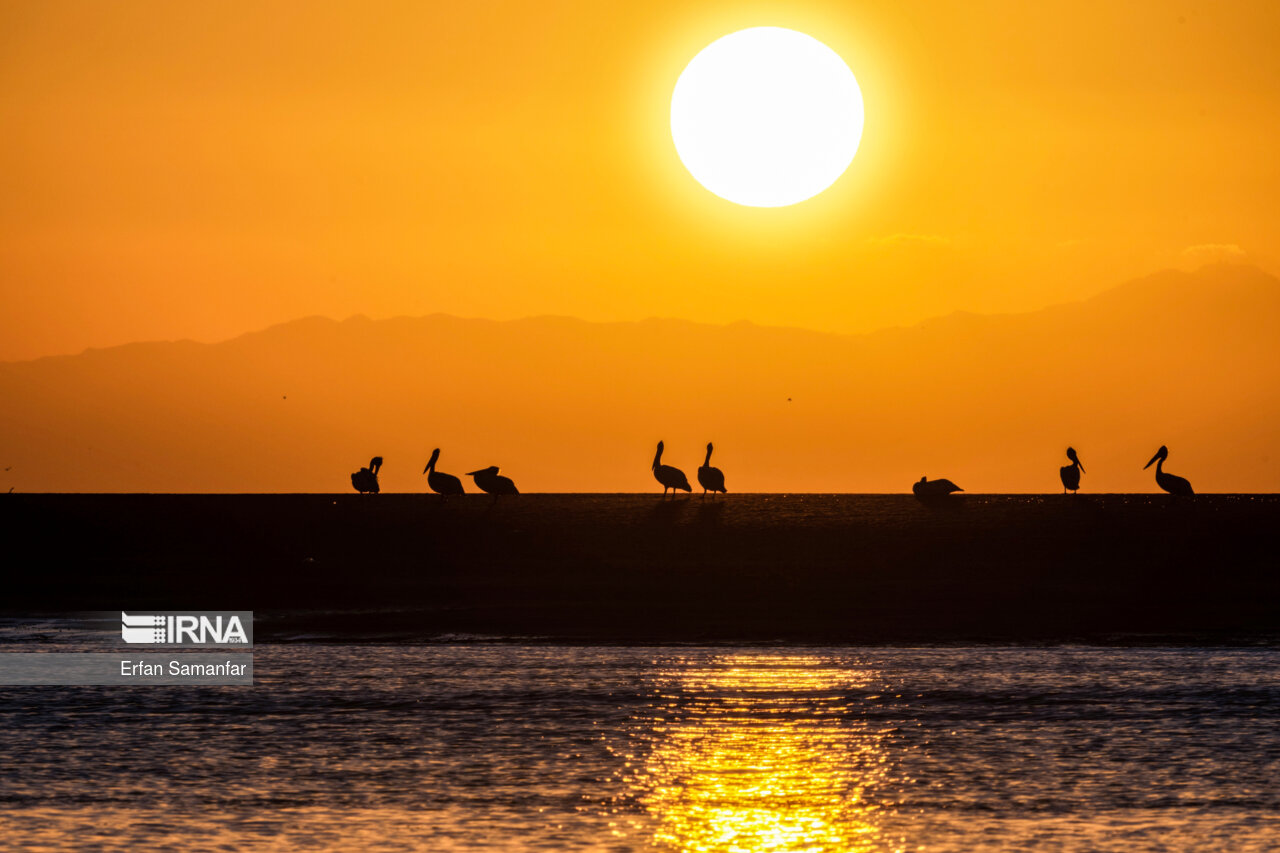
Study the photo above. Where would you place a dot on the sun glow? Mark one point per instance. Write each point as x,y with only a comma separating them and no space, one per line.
766,117
762,755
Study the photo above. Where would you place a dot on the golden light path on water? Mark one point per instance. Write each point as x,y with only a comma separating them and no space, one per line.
759,753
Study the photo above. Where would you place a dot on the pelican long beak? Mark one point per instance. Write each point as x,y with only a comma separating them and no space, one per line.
1152,462
425,470
1081,464
473,473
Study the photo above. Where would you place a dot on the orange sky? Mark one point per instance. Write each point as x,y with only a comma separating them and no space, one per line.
199,170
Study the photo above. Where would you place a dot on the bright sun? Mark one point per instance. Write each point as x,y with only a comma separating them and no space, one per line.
766,117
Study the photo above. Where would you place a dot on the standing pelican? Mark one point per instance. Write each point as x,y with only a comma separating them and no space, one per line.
711,479
1171,483
365,481
670,478
1070,474
926,488
489,481
441,483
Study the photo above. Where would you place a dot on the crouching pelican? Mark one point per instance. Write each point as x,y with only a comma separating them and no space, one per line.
440,482
670,478
489,481
365,481
711,479
1171,483
928,489
1070,474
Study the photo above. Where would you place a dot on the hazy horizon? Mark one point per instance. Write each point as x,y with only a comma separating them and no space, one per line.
639,319
564,405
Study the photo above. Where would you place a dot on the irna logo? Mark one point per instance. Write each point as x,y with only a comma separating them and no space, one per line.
199,628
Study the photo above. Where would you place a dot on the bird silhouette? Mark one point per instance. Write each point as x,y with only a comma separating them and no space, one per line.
440,482
489,481
711,479
927,488
365,481
670,478
1171,483
1070,474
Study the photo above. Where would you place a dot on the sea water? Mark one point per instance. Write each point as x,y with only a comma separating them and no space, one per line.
509,746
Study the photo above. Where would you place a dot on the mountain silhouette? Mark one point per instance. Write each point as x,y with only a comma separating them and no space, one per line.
1191,360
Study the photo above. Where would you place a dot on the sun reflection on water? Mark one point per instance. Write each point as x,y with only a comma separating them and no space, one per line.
760,753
